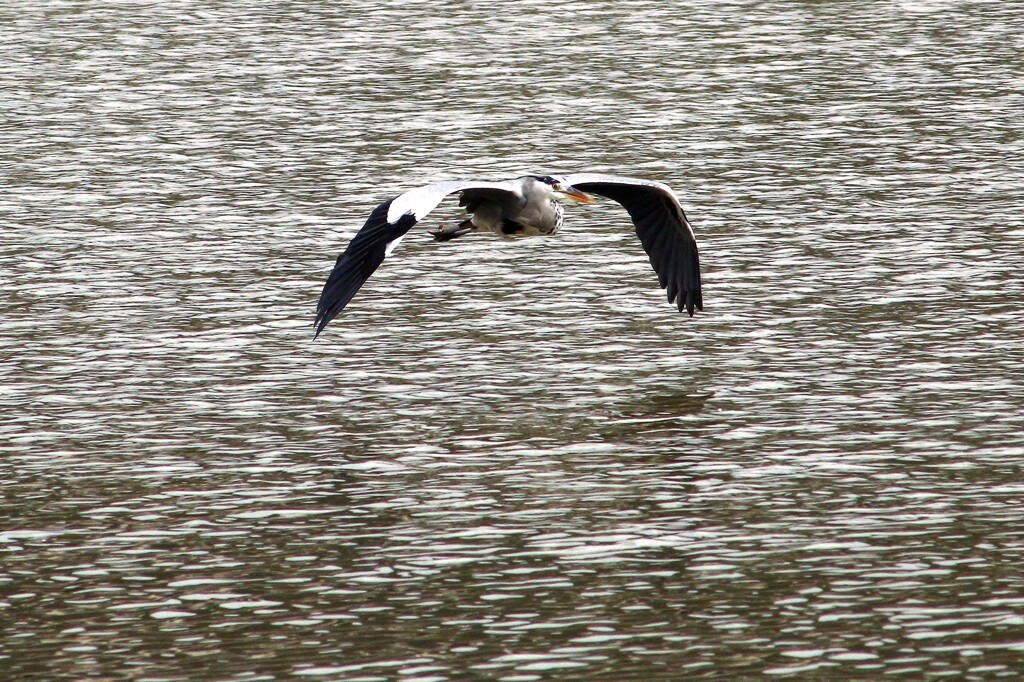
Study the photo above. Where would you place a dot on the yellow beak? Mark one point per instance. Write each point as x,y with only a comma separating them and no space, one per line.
573,194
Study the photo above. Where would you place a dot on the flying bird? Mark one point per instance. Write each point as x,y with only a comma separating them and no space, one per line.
525,206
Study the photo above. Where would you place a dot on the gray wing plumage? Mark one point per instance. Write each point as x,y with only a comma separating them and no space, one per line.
381,233
661,224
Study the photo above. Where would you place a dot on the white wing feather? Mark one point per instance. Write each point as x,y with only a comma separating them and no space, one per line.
422,200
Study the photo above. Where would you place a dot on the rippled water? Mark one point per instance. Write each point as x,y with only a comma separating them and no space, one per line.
511,460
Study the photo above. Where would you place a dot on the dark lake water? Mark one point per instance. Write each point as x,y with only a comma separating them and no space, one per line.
511,460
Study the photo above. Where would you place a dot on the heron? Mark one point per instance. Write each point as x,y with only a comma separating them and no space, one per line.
521,207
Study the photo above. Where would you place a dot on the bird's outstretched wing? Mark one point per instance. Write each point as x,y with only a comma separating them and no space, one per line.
379,236
663,230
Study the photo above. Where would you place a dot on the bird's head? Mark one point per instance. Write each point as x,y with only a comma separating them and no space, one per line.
559,189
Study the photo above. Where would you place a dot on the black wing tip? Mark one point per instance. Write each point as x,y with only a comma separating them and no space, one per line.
333,300
318,325
342,285
326,313
322,318
689,301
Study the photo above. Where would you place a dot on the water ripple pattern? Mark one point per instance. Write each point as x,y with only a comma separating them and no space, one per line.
511,460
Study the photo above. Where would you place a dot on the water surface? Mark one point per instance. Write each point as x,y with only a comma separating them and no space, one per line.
511,460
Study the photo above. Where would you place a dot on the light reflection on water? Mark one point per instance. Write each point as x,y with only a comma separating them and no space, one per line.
510,460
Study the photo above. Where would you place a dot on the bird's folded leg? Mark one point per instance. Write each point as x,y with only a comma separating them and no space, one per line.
445,233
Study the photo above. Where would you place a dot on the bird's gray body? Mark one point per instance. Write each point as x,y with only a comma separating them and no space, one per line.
523,209
524,206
